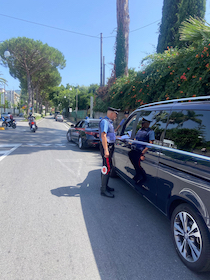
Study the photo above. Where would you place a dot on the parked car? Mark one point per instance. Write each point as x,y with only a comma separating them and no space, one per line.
56,113
85,133
175,171
59,118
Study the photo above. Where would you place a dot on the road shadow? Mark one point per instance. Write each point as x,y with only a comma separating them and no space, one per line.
129,237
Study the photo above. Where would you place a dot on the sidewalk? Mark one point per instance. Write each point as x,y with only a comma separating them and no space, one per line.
68,122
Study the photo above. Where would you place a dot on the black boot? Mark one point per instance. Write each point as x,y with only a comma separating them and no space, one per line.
104,181
109,189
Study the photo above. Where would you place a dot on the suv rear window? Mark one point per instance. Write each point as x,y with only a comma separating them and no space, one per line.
188,130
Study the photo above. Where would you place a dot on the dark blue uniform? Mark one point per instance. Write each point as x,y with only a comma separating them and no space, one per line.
143,135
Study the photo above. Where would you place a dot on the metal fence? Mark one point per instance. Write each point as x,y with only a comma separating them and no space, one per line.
13,111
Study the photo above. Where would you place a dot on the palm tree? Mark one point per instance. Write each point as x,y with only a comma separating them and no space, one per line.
195,30
3,81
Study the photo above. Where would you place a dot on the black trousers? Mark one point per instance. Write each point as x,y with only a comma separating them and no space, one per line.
107,166
107,161
134,156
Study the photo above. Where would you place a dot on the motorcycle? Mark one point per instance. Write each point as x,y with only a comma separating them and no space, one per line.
11,123
33,126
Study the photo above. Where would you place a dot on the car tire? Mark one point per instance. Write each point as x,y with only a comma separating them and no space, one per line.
68,135
191,238
80,143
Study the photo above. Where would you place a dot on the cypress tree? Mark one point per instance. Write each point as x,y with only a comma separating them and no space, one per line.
168,27
173,14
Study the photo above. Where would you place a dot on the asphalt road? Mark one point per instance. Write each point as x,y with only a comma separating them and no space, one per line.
55,225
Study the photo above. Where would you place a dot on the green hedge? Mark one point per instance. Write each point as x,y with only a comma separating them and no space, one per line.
173,74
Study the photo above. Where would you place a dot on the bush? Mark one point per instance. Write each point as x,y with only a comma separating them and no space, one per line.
173,74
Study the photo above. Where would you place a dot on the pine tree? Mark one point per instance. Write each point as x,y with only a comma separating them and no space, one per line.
168,27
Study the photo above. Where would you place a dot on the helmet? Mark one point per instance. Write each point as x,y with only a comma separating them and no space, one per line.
30,114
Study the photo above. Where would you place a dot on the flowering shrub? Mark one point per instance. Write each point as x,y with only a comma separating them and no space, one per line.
173,74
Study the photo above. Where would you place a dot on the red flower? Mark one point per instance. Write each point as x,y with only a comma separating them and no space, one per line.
183,77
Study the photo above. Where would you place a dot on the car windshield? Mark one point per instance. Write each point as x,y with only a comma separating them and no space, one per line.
93,124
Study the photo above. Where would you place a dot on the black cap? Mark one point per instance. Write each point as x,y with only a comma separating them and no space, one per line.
114,110
126,113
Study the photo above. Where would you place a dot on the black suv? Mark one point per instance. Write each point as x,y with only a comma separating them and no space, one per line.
174,173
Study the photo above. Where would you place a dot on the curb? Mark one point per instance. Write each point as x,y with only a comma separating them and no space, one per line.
68,122
2,128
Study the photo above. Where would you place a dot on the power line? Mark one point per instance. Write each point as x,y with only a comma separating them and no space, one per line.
65,30
137,28
61,29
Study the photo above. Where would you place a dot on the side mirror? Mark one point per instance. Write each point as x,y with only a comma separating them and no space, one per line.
72,125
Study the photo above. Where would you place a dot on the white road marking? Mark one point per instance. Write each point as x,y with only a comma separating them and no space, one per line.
31,144
6,153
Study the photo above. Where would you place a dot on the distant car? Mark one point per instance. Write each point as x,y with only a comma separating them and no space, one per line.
21,115
56,113
59,118
85,133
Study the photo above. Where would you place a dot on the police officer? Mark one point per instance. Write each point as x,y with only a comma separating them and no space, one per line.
144,134
107,140
126,113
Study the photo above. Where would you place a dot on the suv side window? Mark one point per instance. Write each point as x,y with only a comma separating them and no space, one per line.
128,127
158,123
188,130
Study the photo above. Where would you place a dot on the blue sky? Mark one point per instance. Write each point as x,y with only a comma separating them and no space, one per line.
82,53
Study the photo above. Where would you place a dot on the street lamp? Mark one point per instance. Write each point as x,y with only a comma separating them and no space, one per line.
6,55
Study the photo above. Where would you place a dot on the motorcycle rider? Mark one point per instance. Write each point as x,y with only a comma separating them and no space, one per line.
9,119
31,119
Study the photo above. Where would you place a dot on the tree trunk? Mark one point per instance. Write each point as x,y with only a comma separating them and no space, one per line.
29,91
123,20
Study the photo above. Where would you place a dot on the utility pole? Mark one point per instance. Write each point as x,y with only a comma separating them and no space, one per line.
104,71
101,74
76,104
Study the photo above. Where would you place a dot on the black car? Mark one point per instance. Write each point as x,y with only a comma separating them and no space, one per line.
175,172
85,133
